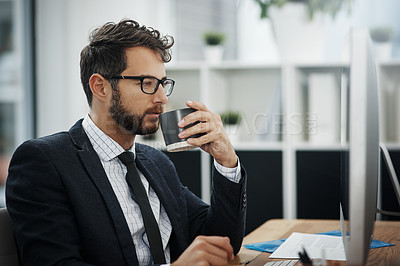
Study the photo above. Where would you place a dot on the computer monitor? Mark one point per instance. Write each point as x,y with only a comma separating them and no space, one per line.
363,155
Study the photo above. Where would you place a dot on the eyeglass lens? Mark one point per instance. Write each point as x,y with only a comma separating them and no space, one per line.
149,85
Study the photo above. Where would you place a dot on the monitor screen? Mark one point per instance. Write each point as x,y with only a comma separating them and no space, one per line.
361,159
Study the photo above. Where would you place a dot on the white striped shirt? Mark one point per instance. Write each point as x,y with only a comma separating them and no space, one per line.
108,150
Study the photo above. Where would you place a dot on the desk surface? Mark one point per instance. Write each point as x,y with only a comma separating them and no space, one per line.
387,231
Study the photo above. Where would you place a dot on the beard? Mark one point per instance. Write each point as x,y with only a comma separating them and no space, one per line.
131,122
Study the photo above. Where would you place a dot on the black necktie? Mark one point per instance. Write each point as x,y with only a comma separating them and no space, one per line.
150,223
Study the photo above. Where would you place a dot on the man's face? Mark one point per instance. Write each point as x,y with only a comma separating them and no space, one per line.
132,109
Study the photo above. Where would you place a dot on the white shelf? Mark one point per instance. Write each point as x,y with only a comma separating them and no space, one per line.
253,89
258,146
393,146
322,65
389,63
319,147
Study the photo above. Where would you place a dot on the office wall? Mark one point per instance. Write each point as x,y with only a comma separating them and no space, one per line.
62,29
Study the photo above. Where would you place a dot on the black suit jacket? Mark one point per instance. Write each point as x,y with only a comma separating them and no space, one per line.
64,211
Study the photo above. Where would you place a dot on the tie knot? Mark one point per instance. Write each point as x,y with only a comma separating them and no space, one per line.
127,157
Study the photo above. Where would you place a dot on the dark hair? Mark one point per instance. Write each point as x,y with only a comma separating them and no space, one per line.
106,55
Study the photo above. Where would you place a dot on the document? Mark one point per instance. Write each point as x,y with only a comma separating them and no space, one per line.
317,247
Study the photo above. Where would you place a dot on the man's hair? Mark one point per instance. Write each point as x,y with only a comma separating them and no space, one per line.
106,54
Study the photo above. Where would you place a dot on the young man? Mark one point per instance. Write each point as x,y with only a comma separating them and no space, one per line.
67,195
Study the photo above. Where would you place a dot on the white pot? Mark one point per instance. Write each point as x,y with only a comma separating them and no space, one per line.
383,50
213,53
298,38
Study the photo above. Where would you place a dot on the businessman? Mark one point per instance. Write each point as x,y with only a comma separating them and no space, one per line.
92,196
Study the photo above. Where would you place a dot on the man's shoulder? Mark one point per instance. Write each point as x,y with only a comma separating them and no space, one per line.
57,141
54,141
51,139
61,137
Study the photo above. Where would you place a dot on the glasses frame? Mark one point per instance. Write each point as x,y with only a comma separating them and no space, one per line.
141,78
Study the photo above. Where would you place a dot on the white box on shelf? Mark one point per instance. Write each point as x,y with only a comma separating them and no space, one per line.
324,106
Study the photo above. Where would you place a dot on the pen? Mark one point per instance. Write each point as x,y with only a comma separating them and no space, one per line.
304,259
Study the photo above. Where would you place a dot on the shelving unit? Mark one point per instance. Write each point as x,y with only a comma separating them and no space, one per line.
389,82
274,101
274,111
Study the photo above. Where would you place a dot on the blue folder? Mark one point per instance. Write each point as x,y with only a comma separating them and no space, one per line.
271,246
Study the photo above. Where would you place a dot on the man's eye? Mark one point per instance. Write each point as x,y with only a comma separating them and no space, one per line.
147,83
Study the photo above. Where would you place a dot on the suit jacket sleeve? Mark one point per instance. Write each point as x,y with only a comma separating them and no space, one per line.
44,226
226,215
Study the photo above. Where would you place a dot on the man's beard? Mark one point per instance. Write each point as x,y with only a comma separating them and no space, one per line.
131,122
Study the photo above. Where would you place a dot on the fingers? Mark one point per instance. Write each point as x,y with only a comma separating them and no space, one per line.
212,254
220,244
207,250
202,127
202,114
209,122
214,140
198,116
197,105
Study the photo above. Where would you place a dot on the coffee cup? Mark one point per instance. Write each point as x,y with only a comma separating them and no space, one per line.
170,130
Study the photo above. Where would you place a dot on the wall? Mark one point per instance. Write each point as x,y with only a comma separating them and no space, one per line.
62,28
256,41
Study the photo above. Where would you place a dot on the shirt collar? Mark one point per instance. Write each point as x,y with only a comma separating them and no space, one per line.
106,148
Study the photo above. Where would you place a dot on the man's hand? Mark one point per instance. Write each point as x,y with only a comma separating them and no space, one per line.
207,250
214,141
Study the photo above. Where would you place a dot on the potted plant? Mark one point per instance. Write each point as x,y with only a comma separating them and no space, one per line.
330,7
382,41
299,26
231,121
213,50
381,34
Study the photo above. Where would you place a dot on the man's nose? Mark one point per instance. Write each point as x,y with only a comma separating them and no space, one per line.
160,96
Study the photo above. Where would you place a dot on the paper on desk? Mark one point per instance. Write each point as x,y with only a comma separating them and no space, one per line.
271,246
315,245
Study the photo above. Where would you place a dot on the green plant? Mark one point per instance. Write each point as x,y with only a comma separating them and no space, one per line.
214,37
230,118
331,7
381,34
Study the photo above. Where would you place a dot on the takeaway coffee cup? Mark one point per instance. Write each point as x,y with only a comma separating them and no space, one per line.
170,129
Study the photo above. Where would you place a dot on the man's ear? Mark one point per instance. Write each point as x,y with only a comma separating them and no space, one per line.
98,86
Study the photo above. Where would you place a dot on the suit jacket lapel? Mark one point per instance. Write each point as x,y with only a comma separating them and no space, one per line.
95,171
161,188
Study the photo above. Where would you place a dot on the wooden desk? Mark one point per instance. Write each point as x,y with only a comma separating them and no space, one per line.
387,231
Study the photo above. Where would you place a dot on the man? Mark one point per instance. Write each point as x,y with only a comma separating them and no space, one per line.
67,195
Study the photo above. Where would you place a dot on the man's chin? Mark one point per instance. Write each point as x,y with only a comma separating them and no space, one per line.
144,127
148,129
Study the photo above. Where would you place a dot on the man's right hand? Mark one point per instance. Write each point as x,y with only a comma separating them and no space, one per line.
207,250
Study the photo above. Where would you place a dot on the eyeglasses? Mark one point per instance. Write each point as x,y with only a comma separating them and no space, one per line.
150,85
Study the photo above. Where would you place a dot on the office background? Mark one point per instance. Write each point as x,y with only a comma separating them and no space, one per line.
40,90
